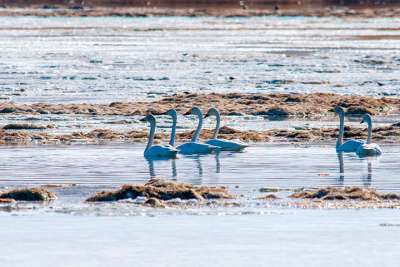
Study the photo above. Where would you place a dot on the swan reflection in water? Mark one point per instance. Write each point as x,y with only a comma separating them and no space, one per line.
197,166
152,171
217,162
341,169
366,178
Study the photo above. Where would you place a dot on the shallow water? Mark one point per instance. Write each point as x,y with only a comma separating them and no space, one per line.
285,166
291,238
100,60
105,59
80,171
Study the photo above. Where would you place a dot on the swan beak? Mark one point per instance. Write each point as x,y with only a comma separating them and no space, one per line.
362,122
144,119
206,116
188,113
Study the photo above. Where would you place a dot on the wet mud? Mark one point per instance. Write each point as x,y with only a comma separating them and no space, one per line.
197,8
27,194
387,134
7,200
320,204
161,193
313,105
272,106
24,126
344,198
346,193
334,198
268,197
157,190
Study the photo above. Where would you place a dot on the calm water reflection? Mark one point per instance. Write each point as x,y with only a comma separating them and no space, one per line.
196,162
260,165
366,177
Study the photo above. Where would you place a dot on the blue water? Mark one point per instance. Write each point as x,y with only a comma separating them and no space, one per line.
260,165
109,58
100,60
296,238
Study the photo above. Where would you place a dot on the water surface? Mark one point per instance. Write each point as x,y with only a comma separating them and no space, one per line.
100,60
295,238
285,166
104,59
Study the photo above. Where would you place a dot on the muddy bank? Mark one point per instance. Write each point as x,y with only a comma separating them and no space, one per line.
159,192
386,134
272,106
345,193
199,8
26,194
314,105
335,198
349,204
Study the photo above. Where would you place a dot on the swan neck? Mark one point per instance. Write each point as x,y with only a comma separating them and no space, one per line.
341,129
151,134
199,125
173,131
217,125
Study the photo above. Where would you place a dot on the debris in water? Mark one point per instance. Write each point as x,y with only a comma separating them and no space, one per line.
388,133
268,197
345,193
272,189
154,203
24,126
29,194
161,189
7,200
286,104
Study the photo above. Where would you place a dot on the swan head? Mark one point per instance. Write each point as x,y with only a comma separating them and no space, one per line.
172,112
339,110
211,112
194,111
366,119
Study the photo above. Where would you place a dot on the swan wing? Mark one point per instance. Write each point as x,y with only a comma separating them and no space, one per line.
161,152
349,146
226,145
369,150
195,148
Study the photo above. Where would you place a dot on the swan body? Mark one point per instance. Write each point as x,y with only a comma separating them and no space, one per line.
160,152
194,147
368,149
157,151
223,144
350,145
226,145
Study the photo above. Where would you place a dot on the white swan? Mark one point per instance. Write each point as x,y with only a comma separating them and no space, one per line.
157,151
350,145
223,144
194,147
368,149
